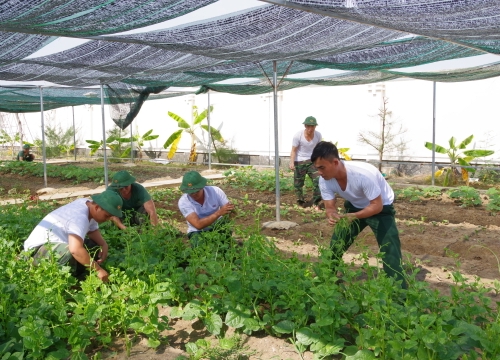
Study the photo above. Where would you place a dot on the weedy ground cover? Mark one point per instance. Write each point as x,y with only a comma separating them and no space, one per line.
355,312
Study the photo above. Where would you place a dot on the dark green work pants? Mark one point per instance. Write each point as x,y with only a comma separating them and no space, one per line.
384,227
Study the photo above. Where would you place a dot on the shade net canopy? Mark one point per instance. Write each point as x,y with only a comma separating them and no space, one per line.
368,41
16,99
80,18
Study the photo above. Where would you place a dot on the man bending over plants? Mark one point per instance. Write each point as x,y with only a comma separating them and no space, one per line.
368,202
204,208
24,154
72,234
137,203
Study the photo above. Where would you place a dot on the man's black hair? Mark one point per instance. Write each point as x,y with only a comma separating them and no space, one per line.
325,150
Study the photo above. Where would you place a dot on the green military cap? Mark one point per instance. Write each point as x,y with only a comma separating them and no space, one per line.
121,179
192,182
109,201
26,146
310,120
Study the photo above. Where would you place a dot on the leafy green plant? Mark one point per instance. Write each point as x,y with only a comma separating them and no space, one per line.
458,156
466,195
409,193
493,200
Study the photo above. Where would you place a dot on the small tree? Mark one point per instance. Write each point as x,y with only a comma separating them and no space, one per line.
10,140
388,138
458,156
58,140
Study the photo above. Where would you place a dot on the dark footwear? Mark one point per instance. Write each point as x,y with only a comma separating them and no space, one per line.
301,203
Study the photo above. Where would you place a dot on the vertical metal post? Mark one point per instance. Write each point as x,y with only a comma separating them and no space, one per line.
276,144
433,167
74,132
132,141
104,139
44,154
209,134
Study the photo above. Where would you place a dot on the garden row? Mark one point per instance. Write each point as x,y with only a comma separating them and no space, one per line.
253,288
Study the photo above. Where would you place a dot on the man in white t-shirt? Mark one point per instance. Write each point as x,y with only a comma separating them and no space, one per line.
303,144
368,202
204,208
70,230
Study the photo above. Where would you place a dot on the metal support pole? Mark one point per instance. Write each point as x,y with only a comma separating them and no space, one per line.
74,132
44,154
433,167
276,144
132,141
104,139
209,134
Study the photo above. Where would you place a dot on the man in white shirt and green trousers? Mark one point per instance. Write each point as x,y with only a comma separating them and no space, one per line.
368,202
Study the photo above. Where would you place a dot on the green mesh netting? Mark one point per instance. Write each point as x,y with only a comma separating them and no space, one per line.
89,17
22,100
470,74
16,46
368,38
395,54
462,21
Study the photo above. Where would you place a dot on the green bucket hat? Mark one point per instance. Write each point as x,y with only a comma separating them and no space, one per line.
310,120
192,182
121,179
110,201
26,146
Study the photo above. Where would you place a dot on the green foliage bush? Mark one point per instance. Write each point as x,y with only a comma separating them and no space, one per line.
468,196
249,177
67,171
494,200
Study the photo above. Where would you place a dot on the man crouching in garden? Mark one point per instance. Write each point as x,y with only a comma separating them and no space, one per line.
368,202
204,208
70,230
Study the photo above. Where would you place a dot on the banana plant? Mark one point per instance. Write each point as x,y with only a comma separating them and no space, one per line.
112,143
174,139
457,156
343,152
138,141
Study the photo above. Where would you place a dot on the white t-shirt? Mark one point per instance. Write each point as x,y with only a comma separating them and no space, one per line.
364,183
72,218
214,199
304,147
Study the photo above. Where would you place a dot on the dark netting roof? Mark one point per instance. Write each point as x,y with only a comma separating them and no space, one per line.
454,20
370,40
16,46
90,17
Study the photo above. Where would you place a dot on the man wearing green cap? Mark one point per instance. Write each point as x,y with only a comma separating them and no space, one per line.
137,202
24,154
204,208
303,144
72,229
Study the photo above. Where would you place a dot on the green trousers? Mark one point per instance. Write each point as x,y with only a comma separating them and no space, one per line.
384,227
63,255
299,177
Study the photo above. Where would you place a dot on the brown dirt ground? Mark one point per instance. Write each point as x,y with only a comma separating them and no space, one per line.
436,236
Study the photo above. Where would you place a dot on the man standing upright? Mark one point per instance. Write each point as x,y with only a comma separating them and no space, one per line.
368,202
303,144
